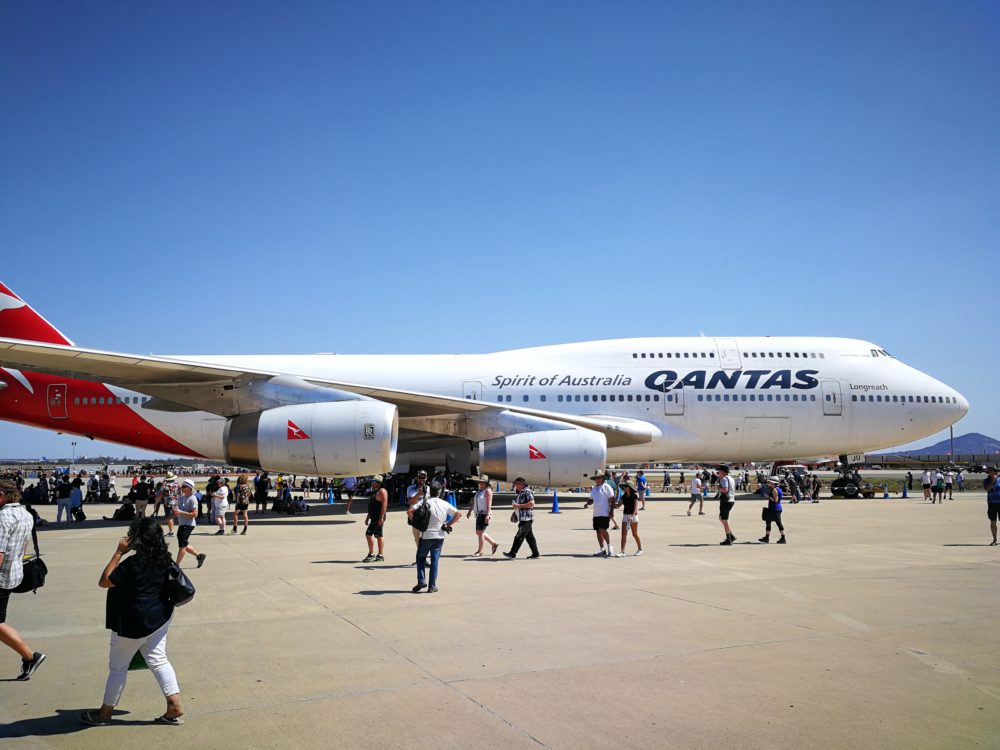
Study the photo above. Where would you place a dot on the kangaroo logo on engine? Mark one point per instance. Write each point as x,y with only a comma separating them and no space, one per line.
295,432
369,431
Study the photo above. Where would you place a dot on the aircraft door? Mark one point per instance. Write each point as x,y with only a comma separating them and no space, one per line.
56,400
472,390
673,402
729,354
832,398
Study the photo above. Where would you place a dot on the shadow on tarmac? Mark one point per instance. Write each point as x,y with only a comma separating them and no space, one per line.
65,721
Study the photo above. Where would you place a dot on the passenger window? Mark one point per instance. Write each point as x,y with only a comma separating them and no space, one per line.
660,355
854,397
586,398
500,399
686,355
743,397
725,397
668,355
769,397
753,397
603,397
643,355
703,355
700,397
630,397
796,355
718,397
656,398
541,398
771,355
76,401
100,401
635,356
508,399
559,398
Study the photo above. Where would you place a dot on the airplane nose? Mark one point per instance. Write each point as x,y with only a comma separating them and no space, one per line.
963,404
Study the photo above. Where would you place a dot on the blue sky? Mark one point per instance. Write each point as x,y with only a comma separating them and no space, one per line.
467,177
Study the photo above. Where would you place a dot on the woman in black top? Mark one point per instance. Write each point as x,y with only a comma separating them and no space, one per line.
138,613
630,517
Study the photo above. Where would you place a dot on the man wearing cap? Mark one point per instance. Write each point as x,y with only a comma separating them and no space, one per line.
15,528
992,486
442,516
602,498
377,505
414,494
186,511
773,511
524,505
727,499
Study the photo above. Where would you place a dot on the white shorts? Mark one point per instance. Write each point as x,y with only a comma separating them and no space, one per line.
628,520
219,508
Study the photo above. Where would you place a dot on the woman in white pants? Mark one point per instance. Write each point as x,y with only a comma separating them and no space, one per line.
139,615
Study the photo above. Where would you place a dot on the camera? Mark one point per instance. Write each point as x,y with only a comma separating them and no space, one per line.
446,528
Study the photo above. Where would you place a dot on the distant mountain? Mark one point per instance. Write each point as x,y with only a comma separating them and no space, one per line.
971,444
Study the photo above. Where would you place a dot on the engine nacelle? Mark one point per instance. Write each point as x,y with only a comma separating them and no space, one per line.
552,458
342,438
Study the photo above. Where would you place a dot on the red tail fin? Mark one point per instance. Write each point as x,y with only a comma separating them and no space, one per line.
19,321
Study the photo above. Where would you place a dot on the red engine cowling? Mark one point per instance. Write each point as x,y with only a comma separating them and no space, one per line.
551,458
341,438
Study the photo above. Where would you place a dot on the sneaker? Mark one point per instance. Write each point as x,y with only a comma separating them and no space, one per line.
689,513
170,533
782,540
611,551
509,555
28,666
726,543
419,587
732,537
370,558
701,512
620,554
432,590
220,531
533,557
602,553
764,540
233,531
201,559
243,533
993,543
379,558
638,553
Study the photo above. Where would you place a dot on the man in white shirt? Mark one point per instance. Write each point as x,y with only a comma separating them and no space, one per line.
949,484
925,482
602,498
696,494
727,499
15,528
220,504
432,539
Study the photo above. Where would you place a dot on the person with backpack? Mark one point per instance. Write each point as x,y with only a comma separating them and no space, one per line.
773,511
433,518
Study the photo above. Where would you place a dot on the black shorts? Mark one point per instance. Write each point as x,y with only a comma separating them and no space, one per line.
183,534
482,521
992,512
4,596
724,508
602,523
374,529
926,486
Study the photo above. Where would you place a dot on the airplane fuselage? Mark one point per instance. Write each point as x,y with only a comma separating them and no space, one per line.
707,399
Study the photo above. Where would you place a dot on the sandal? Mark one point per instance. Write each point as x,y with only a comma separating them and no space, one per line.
494,550
477,554
174,721
91,718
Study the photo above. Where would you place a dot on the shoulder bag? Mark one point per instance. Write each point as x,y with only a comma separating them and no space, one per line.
179,588
35,570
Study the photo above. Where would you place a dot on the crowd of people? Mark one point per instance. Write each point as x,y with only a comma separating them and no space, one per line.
139,613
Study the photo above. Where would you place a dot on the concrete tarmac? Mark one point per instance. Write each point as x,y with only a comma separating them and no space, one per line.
876,626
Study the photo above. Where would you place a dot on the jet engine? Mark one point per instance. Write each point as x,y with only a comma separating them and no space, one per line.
551,458
342,438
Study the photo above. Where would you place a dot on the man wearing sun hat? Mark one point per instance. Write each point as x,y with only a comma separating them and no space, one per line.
602,497
186,511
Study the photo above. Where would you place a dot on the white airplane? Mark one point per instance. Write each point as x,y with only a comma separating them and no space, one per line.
552,414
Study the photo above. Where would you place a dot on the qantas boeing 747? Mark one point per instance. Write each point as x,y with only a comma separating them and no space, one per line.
552,414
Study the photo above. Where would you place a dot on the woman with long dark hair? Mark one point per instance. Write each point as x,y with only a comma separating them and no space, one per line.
138,614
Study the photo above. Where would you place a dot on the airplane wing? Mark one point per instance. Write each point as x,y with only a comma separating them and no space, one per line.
177,384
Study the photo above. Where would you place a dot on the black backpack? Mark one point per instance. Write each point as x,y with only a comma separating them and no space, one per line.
420,519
